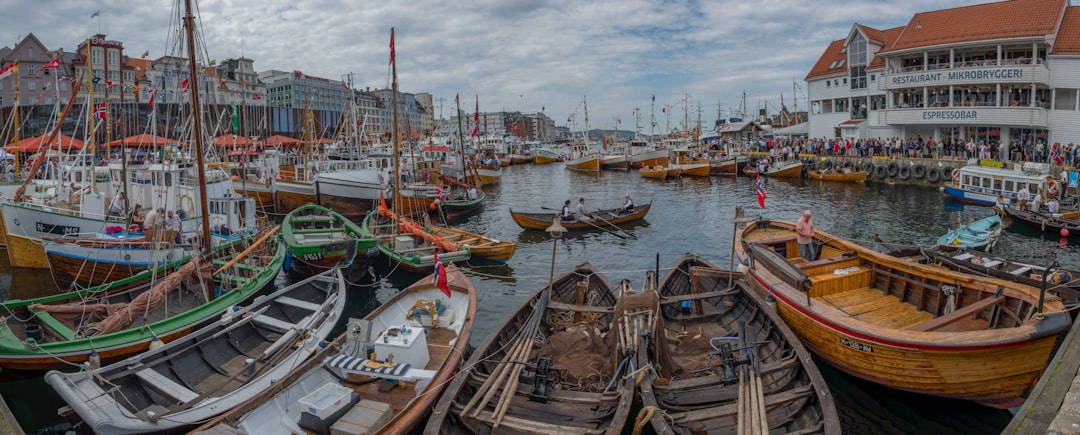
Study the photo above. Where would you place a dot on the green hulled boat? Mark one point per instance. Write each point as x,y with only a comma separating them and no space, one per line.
319,238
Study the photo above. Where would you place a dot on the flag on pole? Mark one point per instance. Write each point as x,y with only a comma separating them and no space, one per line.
344,85
213,62
150,102
1054,155
184,84
101,110
476,118
109,84
96,80
145,53
236,118
761,191
9,70
53,64
440,280
95,14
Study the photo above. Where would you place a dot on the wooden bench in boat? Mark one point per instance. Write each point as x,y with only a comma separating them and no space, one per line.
559,306
166,386
54,326
964,312
828,265
273,323
829,283
872,306
293,302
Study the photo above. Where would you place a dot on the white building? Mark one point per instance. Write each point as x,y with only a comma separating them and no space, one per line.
1006,71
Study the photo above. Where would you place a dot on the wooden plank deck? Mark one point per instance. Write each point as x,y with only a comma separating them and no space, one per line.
872,306
438,348
1054,405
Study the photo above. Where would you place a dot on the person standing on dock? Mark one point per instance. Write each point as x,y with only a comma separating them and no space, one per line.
804,234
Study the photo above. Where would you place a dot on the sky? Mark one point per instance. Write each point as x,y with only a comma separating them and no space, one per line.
697,58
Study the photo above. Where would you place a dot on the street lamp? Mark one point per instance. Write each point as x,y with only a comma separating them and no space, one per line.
739,219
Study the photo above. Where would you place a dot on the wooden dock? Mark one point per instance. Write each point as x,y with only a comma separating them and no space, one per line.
1054,406
8,424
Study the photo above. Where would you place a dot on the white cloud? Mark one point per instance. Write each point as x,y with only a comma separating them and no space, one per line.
514,55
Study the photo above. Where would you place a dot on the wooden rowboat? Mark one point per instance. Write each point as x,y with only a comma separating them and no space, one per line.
788,169
479,245
390,397
659,173
319,239
906,325
716,336
540,221
567,318
854,176
209,371
981,235
1046,222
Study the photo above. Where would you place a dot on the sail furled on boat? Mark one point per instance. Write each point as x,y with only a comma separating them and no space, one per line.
148,301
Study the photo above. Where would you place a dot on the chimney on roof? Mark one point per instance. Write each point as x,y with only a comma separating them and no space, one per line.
918,25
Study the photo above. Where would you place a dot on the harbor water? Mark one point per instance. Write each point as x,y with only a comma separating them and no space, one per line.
688,215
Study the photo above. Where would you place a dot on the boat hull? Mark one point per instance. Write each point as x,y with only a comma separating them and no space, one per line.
587,163
540,221
659,174
652,158
618,163
966,196
479,245
851,177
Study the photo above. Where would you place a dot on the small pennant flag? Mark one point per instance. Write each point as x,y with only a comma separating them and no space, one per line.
391,47
109,84
96,80
213,62
145,53
95,14
184,84
150,92
53,64
9,70
761,191
476,118
344,85
439,277
101,110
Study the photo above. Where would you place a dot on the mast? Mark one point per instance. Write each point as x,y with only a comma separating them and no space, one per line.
394,121
189,28
461,141
16,111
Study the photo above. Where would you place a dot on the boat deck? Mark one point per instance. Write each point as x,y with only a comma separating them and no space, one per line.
439,348
873,306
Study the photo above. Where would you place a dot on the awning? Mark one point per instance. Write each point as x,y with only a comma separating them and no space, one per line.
851,123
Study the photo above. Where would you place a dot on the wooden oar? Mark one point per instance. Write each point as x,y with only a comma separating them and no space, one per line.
596,226
627,232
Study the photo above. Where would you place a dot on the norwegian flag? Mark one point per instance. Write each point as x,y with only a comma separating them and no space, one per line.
110,83
150,102
439,277
761,191
184,84
1055,156
101,110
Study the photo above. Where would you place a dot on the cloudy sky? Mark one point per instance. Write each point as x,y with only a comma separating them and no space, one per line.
516,55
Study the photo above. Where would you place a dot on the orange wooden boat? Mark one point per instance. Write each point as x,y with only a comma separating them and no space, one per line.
850,176
905,325
660,173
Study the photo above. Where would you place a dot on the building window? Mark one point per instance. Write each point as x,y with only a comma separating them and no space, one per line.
114,57
29,53
63,85
114,75
31,85
1065,99
96,56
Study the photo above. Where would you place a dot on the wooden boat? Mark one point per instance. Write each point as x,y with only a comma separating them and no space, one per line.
711,317
1065,283
726,164
903,324
981,235
581,159
478,245
209,371
852,176
648,156
540,221
659,173
319,238
788,169
1046,222
615,162
459,206
690,167
543,156
427,354
486,397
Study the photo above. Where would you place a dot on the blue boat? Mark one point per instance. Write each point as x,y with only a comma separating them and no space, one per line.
981,235
980,181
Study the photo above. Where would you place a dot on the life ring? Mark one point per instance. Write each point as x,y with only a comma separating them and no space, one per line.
1052,187
919,171
904,173
187,204
880,172
892,169
951,173
933,175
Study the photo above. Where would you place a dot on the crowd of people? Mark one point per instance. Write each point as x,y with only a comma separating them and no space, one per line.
918,147
134,221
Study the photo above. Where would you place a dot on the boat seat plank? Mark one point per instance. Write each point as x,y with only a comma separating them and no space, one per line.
273,323
166,386
886,314
1021,271
293,302
559,306
853,296
960,314
54,325
991,264
879,303
963,257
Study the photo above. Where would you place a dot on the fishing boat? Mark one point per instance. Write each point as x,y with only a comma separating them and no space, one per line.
903,324
690,166
426,331
554,337
981,181
788,169
544,155
642,154
844,175
1066,224
320,239
608,218
209,371
980,235
582,159
479,246
461,201
659,172
726,163
723,353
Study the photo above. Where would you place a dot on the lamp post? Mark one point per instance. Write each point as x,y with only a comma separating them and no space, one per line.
739,219
556,230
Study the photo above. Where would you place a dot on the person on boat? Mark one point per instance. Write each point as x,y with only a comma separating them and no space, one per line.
135,220
583,215
804,235
1000,203
471,192
1022,197
1037,201
172,223
118,206
154,219
567,215
1052,206
628,205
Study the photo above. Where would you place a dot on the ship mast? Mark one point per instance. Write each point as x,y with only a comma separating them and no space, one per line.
197,140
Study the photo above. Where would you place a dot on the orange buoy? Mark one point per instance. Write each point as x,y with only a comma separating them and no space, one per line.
432,207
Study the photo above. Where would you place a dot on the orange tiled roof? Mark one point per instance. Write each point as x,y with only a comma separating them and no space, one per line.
1068,37
827,63
141,66
889,35
997,20
874,35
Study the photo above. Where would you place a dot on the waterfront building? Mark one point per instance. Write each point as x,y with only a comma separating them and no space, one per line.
1001,73
35,86
111,77
240,83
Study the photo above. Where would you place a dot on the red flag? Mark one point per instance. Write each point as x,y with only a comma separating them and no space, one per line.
184,84
9,70
150,102
476,118
391,47
440,280
109,84
53,64
761,191
344,85
101,110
